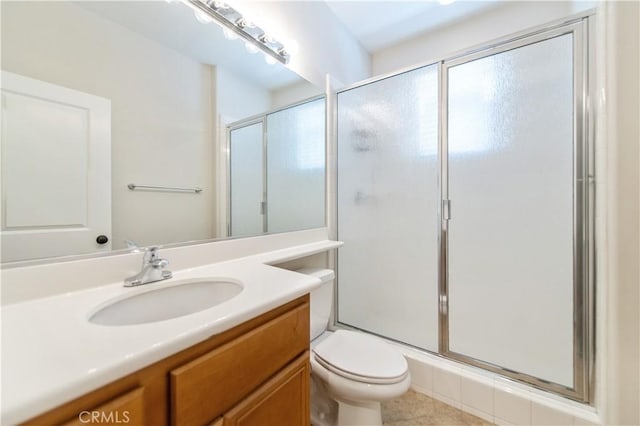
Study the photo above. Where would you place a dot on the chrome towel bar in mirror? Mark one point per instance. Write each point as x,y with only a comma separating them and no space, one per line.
133,187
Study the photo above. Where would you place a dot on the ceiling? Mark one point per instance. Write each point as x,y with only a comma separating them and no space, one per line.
380,24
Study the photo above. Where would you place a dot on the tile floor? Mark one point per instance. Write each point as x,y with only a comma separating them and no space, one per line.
416,409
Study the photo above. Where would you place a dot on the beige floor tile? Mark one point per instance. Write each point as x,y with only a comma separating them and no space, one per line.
416,409
410,406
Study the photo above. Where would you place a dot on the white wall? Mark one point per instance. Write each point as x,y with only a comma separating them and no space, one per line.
619,325
293,93
505,19
237,98
325,45
161,111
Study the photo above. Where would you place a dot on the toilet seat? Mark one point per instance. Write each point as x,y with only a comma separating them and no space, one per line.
362,358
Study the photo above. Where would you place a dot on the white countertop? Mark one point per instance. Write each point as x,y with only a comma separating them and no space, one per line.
52,354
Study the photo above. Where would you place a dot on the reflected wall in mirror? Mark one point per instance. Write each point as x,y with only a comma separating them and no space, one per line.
100,95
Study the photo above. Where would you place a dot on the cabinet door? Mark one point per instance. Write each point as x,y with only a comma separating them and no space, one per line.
125,409
282,401
212,384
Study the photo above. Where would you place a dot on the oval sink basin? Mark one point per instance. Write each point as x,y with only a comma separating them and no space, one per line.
167,303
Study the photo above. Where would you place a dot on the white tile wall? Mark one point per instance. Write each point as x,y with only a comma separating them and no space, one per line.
511,404
545,415
491,396
477,395
447,385
421,376
483,415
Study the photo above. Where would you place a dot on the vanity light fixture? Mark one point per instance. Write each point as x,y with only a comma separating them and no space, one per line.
228,34
233,22
202,17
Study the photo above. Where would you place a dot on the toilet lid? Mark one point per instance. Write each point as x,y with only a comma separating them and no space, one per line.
360,355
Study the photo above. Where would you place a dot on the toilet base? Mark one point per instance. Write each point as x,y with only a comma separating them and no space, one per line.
358,413
324,410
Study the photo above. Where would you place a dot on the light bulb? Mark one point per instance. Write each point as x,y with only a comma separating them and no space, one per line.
292,47
251,48
269,59
219,5
265,39
228,34
283,52
202,17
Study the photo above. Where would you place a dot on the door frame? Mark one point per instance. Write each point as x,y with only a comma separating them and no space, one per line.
236,126
584,303
581,213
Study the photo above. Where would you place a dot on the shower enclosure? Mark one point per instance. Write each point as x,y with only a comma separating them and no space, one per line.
464,208
266,153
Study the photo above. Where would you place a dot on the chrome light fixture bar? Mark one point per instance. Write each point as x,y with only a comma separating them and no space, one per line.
233,20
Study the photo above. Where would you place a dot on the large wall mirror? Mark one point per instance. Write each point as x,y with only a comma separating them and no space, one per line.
143,122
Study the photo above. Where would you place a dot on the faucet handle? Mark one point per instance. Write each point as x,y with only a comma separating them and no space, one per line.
159,263
131,244
150,255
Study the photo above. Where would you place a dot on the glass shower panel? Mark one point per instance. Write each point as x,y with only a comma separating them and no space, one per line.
295,153
247,180
388,196
510,161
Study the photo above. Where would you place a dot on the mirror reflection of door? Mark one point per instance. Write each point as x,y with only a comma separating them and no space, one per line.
247,182
277,163
56,170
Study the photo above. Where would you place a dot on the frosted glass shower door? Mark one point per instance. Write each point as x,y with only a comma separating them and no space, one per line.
246,163
295,154
388,200
510,142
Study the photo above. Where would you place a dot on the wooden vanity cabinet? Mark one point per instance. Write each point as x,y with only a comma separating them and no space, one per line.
254,374
283,400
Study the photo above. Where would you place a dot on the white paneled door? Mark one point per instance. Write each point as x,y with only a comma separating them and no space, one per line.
56,170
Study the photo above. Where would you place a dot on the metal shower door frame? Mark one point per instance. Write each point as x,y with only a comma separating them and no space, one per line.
236,126
582,28
582,175
263,118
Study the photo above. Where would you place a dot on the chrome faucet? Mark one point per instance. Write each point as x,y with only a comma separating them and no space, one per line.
152,269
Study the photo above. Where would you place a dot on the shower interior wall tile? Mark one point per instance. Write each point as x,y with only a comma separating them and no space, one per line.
447,385
511,404
477,395
421,376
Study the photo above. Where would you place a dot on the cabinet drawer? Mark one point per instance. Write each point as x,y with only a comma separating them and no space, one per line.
282,401
211,384
124,409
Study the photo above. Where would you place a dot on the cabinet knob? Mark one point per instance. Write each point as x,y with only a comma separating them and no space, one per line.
102,239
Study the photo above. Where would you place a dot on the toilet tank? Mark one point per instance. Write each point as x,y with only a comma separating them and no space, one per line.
321,299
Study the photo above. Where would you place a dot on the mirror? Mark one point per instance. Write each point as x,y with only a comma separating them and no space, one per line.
132,121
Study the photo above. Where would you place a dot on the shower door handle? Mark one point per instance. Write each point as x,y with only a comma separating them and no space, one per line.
446,209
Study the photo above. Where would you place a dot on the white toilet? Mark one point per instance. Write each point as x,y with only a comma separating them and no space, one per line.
352,372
